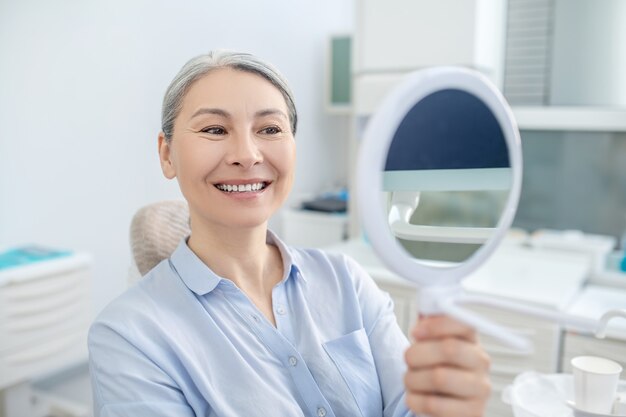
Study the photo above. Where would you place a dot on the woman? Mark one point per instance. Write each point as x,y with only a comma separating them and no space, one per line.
235,323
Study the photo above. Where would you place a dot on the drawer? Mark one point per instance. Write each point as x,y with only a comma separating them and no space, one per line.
43,357
26,307
40,287
30,330
35,310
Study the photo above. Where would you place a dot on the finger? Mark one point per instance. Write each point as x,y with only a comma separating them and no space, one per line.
436,327
452,352
441,406
451,382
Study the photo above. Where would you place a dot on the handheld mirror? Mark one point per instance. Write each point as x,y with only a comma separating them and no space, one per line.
439,178
439,175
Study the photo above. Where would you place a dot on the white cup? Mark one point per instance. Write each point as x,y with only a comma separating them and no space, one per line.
595,383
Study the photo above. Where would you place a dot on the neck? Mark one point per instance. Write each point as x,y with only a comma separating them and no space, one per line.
239,254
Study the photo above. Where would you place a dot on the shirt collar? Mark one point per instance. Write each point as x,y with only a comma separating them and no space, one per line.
199,278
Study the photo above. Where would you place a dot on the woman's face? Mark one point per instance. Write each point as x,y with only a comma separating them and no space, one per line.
232,149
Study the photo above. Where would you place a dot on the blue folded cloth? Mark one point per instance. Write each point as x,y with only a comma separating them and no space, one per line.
29,254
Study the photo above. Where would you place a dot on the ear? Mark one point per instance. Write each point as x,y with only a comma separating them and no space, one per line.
165,155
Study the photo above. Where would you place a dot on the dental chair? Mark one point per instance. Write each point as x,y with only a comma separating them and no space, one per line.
155,232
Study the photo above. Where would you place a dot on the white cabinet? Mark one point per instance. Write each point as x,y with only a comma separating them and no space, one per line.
393,38
563,69
307,228
588,58
404,35
371,89
45,311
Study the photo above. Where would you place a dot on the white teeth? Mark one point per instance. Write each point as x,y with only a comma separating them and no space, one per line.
242,188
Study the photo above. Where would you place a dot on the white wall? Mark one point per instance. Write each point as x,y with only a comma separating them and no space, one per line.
81,84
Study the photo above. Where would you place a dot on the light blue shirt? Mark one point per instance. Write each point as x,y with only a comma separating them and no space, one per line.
187,342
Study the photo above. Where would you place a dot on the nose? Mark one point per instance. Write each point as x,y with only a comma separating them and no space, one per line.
244,151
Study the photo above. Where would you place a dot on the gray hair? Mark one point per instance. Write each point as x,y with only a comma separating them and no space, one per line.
201,65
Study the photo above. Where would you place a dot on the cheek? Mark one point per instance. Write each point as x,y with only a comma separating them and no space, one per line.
286,160
195,162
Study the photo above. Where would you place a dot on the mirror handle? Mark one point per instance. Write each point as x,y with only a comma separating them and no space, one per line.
486,327
443,299
572,321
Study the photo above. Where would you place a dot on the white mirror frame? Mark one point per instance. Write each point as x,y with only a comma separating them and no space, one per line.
379,133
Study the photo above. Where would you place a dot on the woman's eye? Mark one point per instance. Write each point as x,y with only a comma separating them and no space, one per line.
271,130
213,130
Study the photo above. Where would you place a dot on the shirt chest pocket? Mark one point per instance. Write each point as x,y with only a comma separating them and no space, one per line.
353,357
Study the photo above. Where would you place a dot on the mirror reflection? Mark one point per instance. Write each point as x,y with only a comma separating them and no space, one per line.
447,177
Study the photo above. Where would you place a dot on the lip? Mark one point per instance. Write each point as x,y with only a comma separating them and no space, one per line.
243,181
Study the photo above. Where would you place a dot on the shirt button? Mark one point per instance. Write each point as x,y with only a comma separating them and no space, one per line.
321,412
293,361
255,317
281,310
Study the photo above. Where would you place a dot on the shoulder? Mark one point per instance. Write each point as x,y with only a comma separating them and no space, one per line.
144,307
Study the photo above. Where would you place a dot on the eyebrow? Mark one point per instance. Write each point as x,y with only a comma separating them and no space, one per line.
205,110
225,114
270,112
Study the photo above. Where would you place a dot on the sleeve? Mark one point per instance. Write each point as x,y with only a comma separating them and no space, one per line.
126,382
387,341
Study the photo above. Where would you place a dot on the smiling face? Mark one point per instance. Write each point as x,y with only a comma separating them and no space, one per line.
231,150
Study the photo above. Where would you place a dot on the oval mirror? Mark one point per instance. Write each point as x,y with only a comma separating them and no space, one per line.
438,182
439,175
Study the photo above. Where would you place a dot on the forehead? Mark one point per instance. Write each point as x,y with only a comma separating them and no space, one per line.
232,89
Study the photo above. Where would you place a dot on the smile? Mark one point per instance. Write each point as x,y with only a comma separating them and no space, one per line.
242,188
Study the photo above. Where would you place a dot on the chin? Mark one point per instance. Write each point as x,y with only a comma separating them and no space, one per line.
247,221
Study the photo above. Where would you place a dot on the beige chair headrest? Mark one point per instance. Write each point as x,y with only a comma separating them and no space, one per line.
156,230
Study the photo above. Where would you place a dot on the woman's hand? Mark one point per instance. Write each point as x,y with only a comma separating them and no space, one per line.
448,371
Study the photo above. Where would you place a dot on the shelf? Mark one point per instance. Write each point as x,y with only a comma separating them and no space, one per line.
586,119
